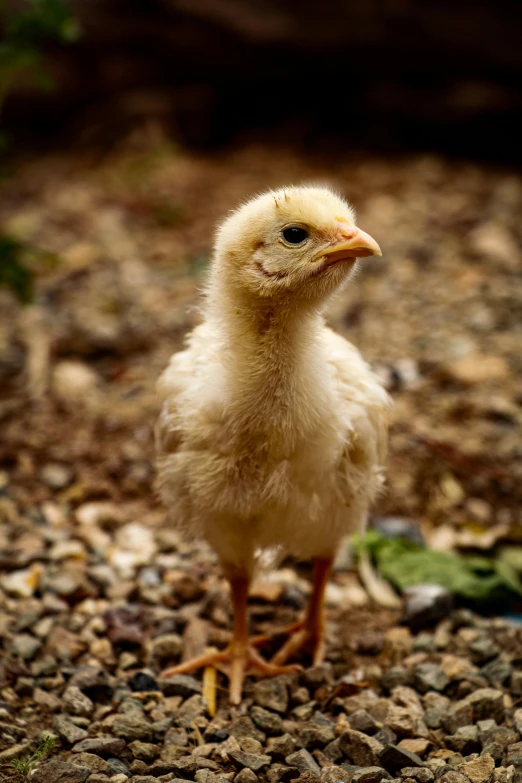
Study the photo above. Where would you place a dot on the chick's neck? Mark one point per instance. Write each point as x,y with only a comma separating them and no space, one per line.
272,355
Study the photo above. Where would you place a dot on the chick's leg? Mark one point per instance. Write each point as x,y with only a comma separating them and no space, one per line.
239,658
311,631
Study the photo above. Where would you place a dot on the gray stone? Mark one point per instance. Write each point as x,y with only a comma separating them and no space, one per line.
424,604
513,755
393,759
486,703
361,720
483,649
272,693
334,774
143,750
333,751
369,775
245,776
315,735
92,762
101,746
25,646
118,767
56,771
88,678
420,774
76,702
281,747
190,710
497,672
360,749
244,727
280,772
465,740
394,676
67,730
303,761
169,646
132,727
179,685
266,721
430,677
315,676
252,761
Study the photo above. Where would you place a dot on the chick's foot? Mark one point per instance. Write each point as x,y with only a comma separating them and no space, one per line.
236,661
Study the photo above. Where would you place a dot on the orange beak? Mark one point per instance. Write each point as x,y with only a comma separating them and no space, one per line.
353,243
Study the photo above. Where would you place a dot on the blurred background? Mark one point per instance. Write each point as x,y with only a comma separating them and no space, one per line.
128,129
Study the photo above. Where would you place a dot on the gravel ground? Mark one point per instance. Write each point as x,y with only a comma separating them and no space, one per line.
97,594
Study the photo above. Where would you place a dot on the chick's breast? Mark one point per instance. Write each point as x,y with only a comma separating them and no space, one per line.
245,491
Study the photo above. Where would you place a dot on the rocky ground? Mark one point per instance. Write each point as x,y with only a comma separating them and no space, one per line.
97,594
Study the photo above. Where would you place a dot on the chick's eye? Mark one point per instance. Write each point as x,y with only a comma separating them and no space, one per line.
295,235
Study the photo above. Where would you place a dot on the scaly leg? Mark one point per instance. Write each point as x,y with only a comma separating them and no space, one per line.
240,657
311,631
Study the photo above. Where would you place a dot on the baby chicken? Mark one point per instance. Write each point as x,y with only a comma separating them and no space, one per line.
273,430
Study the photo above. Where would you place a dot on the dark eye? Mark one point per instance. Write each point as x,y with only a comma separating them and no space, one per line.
295,235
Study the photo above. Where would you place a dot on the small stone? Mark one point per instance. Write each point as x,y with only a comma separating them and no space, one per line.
485,703
190,710
92,679
56,475
101,746
118,767
465,740
394,758
56,771
394,676
420,774
24,582
430,677
315,676
303,761
483,649
120,778
74,382
513,755
314,735
424,604
369,775
48,701
418,746
453,777
334,774
132,727
250,745
516,682
92,762
361,720
497,672
141,682
333,751
67,730
143,750
244,727
266,721
167,647
253,761
480,770
76,702
281,747
272,694
179,685
475,368
25,646
245,776
359,748
280,772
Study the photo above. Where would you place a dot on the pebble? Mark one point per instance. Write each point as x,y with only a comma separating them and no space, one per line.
254,761
465,740
23,583
430,677
25,646
283,746
272,694
76,702
479,770
56,475
394,758
179,685
267,721
67,729
369,775
425,604
101,746
303,761
57,771
92,762
359,748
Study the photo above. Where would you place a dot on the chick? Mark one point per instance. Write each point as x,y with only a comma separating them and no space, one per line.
273,431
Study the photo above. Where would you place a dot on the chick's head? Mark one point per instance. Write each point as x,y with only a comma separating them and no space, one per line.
299,242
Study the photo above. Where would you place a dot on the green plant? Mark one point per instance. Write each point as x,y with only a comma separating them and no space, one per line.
26,766
14,273
24,34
